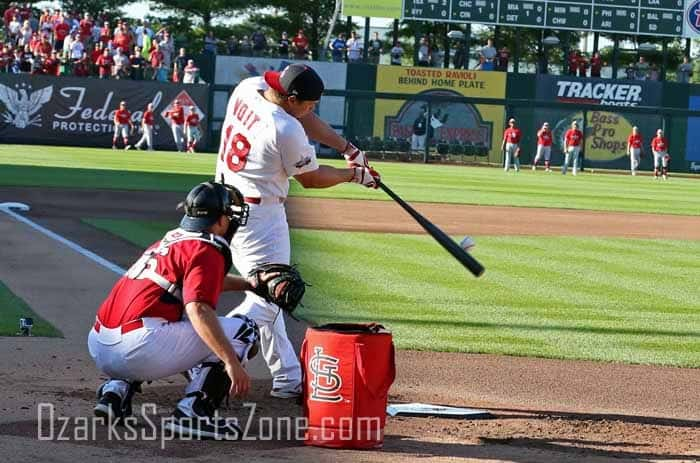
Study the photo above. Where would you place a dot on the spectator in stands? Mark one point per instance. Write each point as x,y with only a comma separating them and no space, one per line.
61,29
105,34
138,64
156,62
630,72
259,42
396,54
44,46
654,72
51,64
122,37
232,46
300,45
642,69
596,64
143,30
246,46
337,48
179,66
27,60
17,61
376,48
81,68
121,64
488,53
190,73
5,58
8,16
354,45
424,52
104,64
436,55
166,45
582,65
147,128
685,71
13,29
459,60
210,43
86,29
25,34
502,59
76,48
283,46
572,62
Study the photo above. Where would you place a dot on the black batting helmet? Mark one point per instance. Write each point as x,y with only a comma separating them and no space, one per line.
208,201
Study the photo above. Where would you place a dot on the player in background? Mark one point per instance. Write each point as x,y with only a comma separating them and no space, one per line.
177,124
147,127
572,148
544,147
265,140
634,149
192,130
659,146
122,125
511,145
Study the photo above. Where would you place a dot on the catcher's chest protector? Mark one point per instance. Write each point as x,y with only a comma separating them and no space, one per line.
348,369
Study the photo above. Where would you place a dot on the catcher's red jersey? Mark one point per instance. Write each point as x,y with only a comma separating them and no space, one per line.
196,266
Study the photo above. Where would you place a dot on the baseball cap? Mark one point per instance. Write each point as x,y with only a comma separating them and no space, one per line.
298,80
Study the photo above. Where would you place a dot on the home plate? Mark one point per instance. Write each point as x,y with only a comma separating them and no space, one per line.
439,411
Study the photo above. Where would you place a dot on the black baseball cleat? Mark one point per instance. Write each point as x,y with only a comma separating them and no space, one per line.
112,407
203,427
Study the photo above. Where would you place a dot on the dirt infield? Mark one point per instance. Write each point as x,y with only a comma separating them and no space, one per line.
544,410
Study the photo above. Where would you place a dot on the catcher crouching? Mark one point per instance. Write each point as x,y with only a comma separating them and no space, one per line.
160,320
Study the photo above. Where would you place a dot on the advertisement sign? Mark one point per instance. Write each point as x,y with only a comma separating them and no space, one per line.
456,122
372,8
604,92
230,70
80,111
692,148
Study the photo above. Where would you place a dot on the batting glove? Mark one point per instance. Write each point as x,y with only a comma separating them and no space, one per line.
366,176
354,157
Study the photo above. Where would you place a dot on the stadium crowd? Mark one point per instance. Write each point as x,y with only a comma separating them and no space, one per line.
62,43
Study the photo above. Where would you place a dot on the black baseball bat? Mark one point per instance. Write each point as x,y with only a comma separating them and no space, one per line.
440,236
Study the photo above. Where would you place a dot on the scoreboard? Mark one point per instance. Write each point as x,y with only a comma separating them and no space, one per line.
632,17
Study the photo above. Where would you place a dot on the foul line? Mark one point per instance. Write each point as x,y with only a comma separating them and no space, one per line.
7,208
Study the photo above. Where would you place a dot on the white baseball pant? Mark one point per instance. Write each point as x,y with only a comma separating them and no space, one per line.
178,135
635,156
157,350
572,154
122,129
193,134
543,151
511,148
265,239
147,137
660,158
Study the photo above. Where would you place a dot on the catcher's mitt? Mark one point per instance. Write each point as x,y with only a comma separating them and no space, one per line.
280,284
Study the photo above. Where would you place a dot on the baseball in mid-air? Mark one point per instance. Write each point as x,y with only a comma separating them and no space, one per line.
467,243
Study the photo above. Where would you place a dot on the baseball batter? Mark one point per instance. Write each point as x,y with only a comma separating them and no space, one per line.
544,147
265,140
192,129
573,138
122,125
659,146
160,319
511,145
634,149
177,124
147,127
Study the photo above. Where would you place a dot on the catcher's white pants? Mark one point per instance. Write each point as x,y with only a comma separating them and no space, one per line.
178,135
122,129
635,155
511,148
157,350
147,137
660,158
265,239
572,154
543,151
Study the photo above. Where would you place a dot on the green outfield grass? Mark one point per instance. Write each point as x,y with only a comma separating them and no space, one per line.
22,165
573,298
12,308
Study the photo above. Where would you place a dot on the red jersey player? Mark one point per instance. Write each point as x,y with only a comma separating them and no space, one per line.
194,134
122,124
544,147
634,149
511,145
573,139
659,146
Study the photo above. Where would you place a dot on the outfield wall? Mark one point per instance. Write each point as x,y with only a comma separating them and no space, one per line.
79,111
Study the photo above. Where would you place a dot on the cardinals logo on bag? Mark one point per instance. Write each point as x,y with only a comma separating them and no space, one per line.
325,380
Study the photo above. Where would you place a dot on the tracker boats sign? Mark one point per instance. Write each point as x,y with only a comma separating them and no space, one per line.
598,91
80,111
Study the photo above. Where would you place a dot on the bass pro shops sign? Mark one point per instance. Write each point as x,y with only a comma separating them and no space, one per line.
604,92
80,111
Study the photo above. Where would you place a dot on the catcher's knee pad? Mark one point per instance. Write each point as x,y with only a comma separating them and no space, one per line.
249,334
209,385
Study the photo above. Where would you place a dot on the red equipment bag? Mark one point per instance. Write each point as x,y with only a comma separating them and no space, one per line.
348,369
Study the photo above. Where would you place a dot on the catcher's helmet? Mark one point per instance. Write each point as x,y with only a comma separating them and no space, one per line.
208,201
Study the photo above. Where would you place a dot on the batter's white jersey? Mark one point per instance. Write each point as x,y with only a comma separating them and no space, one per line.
261,144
